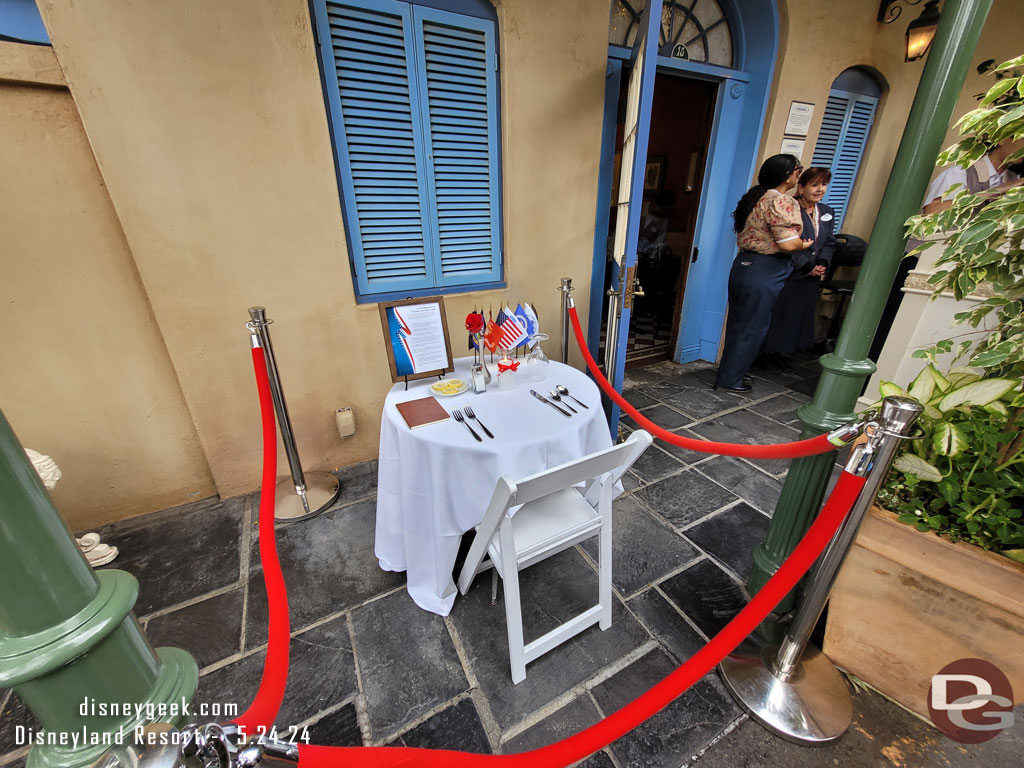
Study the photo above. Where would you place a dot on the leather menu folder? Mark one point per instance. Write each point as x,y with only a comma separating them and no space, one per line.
421,412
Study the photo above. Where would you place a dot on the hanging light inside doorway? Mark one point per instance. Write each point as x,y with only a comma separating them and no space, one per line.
920,32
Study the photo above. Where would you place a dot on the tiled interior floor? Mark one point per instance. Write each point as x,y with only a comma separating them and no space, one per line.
369,667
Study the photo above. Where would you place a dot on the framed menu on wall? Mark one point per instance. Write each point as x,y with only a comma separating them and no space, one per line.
416,336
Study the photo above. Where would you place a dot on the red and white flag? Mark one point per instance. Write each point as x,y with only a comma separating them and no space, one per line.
513,332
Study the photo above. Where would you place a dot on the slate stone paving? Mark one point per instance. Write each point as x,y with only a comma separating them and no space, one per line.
370,668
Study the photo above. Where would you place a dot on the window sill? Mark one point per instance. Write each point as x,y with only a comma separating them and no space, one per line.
496,287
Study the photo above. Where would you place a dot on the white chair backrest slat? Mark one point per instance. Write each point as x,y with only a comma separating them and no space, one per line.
581,470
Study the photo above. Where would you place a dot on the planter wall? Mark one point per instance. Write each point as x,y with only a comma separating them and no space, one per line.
908,603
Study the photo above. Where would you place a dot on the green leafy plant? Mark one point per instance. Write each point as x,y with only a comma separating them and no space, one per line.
987,229
965,478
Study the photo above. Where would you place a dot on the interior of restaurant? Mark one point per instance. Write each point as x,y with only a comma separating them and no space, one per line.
681,120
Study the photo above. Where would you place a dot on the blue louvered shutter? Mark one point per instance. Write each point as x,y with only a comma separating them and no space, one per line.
409,84
845,127
831,130
380,151
458,82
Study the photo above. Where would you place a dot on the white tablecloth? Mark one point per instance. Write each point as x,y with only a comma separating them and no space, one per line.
434,482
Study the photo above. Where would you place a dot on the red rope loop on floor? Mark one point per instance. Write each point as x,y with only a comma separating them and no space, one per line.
267,701
264,708
811,447
624,720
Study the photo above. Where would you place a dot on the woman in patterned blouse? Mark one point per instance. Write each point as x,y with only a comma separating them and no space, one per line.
768,226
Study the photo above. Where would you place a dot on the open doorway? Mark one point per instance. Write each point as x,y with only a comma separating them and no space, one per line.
681,119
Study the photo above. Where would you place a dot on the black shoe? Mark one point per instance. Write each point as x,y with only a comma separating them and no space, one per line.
743,388
748,379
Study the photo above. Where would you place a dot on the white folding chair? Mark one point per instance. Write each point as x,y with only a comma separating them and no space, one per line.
554,513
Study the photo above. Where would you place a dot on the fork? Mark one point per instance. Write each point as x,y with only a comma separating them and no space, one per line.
462,420
469,412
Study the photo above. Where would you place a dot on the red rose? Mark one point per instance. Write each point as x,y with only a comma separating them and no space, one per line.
474,322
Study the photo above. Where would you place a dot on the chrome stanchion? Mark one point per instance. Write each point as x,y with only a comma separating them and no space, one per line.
201,746
792,689
307,494
565,288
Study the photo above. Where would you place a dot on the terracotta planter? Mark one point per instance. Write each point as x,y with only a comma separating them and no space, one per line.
907,603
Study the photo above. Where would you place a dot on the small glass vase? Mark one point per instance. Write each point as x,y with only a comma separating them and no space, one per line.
537,362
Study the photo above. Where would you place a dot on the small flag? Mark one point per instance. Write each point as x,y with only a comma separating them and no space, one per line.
492,335
513,332
532,323
525,321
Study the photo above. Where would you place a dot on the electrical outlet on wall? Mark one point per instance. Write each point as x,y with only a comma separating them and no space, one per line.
345,418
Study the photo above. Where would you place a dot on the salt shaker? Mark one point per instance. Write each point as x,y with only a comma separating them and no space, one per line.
479,378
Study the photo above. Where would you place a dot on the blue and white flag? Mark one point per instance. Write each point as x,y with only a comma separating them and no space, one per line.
532,323
531,327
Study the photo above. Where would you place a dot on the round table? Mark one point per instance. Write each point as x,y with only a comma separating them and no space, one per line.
434,482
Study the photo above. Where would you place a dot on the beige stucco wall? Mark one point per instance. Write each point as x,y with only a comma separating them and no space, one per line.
208,124
818,40
84,376
208,127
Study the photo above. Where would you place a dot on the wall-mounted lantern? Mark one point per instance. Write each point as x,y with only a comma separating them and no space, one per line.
920,32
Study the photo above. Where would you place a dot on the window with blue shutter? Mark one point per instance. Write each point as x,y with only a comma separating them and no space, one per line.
845,127
413,98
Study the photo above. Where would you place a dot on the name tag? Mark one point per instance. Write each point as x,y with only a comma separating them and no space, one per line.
827,217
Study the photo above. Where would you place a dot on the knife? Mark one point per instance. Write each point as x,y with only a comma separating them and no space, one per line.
545,400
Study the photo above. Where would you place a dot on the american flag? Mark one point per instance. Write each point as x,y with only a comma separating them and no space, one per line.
512,332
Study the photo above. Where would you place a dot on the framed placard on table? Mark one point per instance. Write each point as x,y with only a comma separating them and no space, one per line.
416,338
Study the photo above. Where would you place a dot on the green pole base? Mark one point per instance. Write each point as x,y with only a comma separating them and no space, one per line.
34,656
96,657
175,687
70,647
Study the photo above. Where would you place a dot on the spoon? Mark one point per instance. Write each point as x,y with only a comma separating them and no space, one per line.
563,391
558,398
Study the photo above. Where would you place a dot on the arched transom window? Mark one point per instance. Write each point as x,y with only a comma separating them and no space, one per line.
696,30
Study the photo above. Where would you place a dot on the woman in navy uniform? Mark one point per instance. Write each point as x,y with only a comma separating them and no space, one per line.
792,325
768,226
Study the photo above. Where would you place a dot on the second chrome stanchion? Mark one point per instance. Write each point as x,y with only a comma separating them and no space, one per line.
306,494
793,689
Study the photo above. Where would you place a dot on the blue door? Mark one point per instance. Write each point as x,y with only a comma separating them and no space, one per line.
644,57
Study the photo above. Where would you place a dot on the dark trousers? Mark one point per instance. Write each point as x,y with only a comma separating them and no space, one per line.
792,325
755,282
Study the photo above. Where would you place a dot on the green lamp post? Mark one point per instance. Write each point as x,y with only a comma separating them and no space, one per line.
68,640
846,368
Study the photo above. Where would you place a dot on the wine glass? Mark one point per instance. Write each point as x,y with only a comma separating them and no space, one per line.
537,362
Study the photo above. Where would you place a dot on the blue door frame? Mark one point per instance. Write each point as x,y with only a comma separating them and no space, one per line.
740,106
639,101
612,86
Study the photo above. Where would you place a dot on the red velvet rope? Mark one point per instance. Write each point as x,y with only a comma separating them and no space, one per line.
811,447
619,723
263,710
264,707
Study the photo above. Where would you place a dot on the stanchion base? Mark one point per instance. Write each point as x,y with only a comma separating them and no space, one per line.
814,707
322,488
